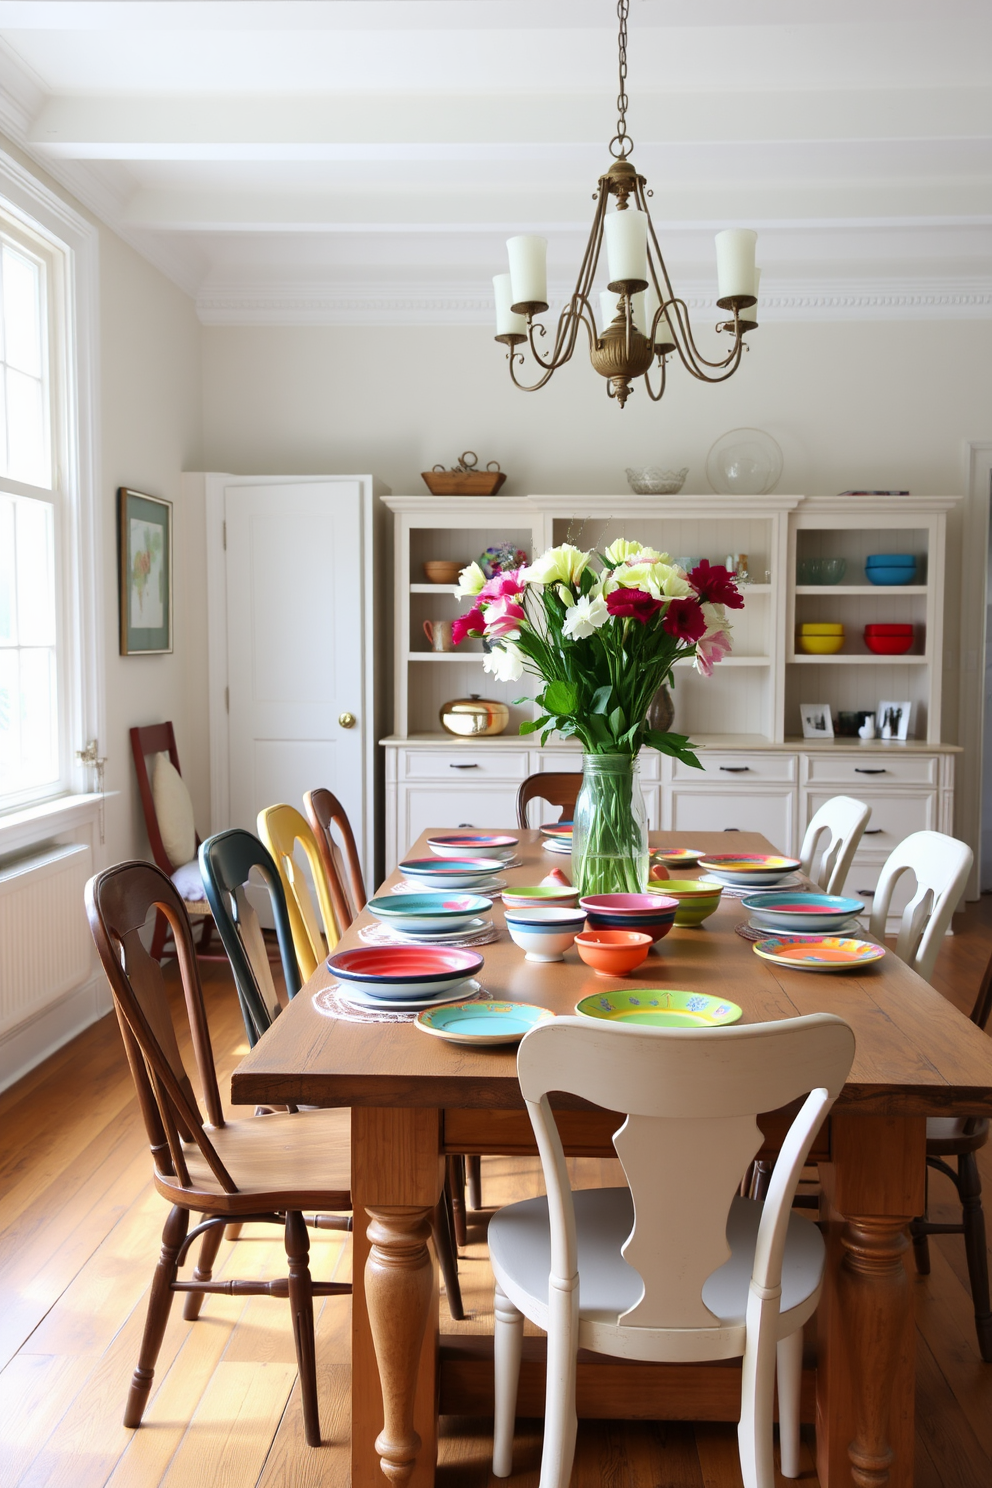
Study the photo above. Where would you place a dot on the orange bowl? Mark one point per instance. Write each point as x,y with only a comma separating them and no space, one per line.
612,952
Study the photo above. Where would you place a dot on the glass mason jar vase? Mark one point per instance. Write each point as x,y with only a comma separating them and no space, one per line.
610,831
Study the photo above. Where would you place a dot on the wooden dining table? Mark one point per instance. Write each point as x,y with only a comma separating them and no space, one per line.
415,1099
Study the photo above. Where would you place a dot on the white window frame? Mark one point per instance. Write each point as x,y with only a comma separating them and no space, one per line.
70,243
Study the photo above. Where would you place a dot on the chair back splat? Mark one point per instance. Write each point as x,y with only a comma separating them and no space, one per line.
118,903
325,813
692,1101
831,841
227,862
557,787
281,828
940,865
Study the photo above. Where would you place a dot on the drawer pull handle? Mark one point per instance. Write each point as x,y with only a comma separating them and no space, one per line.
873,831
466,824
868,893
736,769
860,770
462,767
731,829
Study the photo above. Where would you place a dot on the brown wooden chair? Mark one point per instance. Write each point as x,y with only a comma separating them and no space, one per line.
264,1169
326,816
557,787
961,1137
160,738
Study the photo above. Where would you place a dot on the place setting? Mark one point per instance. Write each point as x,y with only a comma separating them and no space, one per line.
477,873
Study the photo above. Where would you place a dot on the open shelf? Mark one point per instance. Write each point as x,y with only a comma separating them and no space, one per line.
839,659
433,588
824,591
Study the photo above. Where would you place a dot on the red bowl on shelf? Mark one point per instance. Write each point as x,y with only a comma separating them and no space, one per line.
889,643
901,629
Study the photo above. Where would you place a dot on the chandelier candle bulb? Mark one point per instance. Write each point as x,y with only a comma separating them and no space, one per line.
749,318
643,307
528,273
735,266
627,249
663,338
507,324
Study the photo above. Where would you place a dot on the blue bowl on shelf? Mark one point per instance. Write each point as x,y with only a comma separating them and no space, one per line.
887,576
890,560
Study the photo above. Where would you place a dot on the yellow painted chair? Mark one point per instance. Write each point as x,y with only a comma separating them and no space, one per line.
281,828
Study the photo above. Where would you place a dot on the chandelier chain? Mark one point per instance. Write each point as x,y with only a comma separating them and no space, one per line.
621,140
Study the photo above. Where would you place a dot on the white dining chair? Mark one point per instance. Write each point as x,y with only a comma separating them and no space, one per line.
831,841
940,865
677,1267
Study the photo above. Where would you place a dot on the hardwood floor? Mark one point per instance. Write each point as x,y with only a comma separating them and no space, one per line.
79,1231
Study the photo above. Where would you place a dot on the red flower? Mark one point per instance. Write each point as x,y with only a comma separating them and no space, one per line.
474,623
505,584
633,604
715,585
684,619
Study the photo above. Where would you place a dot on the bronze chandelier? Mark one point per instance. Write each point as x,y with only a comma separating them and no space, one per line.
642,317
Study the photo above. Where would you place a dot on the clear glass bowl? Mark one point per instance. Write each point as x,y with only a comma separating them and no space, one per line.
821,570
744,462
651,480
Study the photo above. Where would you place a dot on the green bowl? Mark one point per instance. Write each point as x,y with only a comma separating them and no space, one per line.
696,901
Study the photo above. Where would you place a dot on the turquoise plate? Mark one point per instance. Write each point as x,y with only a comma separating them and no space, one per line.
660,1008
483,1022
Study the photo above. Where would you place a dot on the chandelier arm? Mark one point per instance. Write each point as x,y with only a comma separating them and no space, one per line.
725,369
515,356
691,356
557,358
657,397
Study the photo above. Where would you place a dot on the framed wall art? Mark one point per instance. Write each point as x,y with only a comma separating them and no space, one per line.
817,721
144,545
892,720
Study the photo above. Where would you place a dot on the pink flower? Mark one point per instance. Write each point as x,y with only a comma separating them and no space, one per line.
632,604
503,585
685,620
503,617
715,585
710,650
474,623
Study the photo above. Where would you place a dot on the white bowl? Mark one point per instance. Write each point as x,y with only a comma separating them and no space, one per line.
650,480
543,943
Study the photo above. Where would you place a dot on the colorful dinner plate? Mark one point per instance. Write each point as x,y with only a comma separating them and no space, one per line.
660,1008
830,953
448,873
677,857
473,845
792,881
405,971
357,998
426,913
483,1022
757,930
787,912
439,933
486,886
561,830
749,868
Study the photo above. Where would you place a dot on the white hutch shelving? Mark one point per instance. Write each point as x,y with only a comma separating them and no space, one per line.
758,774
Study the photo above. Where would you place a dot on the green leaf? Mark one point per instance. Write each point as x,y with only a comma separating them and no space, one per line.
601,699
531,726
618,722
676,745
598,728
561,697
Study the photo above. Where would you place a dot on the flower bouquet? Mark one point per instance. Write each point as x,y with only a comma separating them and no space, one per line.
602,641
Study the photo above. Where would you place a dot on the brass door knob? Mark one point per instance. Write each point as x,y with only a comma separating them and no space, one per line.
346,720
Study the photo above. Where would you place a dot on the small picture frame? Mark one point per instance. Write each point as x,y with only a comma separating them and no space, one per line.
144,547
892,720
817,721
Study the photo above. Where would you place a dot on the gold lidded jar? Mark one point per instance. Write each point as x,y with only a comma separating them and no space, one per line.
474,717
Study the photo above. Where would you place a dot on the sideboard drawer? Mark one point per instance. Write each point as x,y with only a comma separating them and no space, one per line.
473,763
706,810
746,768
865,770
422,807
894,815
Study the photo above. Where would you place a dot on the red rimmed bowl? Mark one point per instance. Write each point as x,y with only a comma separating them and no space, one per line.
450,873
473,845
398,972
613,953
745,869
650,914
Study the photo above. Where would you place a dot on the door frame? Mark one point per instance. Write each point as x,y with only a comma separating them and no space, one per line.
971,700
211,486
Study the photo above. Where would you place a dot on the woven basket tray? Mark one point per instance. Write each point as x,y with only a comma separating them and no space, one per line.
463,482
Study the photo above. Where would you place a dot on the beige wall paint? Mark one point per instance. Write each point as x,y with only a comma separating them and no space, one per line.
877,405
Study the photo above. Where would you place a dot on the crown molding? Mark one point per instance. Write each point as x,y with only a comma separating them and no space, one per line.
312,302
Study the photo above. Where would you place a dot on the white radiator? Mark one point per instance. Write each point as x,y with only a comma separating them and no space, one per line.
45,944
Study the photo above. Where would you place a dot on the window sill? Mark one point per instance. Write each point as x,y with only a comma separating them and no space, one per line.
31,824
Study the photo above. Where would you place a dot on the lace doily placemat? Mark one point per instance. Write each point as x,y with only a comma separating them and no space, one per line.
384,935
748,932
332,1005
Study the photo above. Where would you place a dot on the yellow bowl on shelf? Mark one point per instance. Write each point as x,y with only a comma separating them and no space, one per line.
821,628
821,645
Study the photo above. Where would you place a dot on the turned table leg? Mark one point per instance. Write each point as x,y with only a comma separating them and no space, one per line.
866,1364
396,1179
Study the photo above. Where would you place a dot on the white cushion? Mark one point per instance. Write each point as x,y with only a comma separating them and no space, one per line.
174,811
189,881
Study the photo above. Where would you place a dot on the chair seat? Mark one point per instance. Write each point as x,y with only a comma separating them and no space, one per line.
189,881
298,1160
947,1136
520,1252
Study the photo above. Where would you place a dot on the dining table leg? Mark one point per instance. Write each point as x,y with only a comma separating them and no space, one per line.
866,1356
397,1176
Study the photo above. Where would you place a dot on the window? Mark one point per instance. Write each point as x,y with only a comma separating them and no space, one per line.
32,733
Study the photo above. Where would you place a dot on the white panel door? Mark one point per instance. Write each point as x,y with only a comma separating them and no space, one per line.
296,649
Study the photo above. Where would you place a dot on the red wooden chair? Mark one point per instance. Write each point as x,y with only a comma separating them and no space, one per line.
152,739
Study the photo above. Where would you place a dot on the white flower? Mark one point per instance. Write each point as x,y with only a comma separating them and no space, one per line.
620,550
562,565
505,663
585,616
470,582
660,580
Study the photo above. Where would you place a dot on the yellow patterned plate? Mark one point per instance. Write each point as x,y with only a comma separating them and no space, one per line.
660,1008
830,953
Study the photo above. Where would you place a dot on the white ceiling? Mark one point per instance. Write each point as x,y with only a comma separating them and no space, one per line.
354,161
